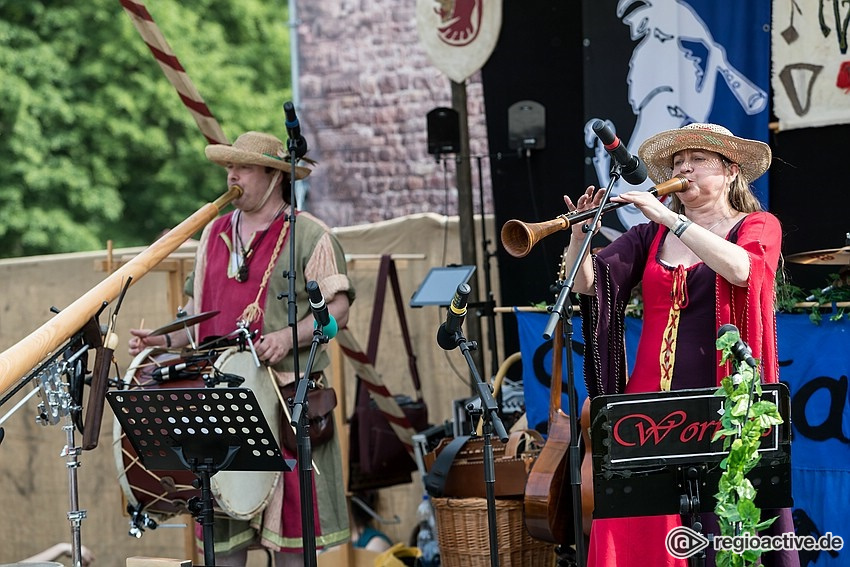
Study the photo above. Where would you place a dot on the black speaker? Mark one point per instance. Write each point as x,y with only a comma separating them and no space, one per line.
527,125
443,131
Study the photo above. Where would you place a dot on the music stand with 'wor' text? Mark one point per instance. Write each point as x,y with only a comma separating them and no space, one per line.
653,454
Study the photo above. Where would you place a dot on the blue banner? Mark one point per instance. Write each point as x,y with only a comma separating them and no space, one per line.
815,363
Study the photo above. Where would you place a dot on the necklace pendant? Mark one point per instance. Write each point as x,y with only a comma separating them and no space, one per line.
242,274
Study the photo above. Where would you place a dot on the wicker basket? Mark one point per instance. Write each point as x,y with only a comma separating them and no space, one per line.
464,535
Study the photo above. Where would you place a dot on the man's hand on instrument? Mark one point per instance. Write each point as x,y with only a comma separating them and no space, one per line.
140,340
273,347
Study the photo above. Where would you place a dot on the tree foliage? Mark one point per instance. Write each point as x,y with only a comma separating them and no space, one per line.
96,143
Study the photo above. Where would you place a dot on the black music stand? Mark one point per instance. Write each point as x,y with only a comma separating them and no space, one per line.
652,453
205,430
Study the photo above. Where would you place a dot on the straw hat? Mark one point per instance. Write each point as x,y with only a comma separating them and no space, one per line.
752,156
255,148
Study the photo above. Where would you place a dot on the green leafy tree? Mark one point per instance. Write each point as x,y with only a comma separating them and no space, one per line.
96,143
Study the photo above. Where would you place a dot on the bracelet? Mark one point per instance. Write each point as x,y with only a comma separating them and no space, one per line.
167,341
681,225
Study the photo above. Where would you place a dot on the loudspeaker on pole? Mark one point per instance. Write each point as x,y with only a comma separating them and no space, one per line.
443,131
526,125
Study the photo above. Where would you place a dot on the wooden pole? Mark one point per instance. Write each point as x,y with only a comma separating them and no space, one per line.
26,354
466,217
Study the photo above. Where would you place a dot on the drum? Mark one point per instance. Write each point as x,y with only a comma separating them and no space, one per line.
244,493
164,494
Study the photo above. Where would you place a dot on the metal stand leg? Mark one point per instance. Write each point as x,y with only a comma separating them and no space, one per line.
75,515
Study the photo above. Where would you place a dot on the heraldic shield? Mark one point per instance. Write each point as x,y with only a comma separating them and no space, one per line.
459,35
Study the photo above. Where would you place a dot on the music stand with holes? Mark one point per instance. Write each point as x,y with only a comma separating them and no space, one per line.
205,430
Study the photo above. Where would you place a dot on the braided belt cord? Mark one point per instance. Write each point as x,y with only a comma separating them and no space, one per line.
667,356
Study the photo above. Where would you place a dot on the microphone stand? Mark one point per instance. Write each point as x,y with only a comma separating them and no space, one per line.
490,414
303,447
558,312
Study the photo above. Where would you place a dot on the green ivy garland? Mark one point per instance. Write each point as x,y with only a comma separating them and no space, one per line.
743,424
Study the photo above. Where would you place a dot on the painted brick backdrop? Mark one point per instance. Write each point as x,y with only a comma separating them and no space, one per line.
366,88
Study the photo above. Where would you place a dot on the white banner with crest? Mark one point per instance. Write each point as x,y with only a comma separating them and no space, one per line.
459,35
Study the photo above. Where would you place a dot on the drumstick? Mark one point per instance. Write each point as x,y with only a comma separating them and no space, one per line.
141,326
286,410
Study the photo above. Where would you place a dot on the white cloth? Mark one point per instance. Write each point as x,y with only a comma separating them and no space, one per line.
810,85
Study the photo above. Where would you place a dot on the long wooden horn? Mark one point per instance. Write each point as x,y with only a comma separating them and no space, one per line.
35,347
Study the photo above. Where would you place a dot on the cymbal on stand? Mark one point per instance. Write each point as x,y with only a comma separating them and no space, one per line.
183,322
828,257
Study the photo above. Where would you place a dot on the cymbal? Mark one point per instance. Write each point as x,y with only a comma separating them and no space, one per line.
829,257
182,322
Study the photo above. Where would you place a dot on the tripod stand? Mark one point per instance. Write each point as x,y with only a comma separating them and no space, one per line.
62,400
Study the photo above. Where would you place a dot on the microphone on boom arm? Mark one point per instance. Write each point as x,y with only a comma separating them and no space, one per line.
293,130
454,319
632,169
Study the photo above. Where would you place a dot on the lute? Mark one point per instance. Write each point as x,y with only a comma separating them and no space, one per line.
548,500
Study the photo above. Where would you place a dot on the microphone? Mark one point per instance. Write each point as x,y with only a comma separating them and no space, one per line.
293,130
454,319
320,310
740,350
632,169
174,372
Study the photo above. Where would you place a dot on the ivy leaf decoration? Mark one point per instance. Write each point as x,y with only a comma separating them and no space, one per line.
746,419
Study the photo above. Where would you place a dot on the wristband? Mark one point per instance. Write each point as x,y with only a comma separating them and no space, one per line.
167,341
681,225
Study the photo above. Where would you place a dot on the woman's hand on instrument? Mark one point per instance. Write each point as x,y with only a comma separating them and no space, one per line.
273,347
649,205
590,199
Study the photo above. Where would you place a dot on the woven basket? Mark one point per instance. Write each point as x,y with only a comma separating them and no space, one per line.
464,535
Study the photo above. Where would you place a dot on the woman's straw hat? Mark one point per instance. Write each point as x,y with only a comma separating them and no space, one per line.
657,152
255,148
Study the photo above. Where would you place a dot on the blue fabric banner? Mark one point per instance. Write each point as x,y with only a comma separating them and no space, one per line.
537,367
814,363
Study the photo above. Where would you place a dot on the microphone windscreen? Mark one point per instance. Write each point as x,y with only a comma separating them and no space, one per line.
445,339
727,328
331,329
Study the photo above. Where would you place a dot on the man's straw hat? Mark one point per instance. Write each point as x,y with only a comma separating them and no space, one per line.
255,148
657,152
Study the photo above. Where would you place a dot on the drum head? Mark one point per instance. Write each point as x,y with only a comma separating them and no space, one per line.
159,494
243,494
163,494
